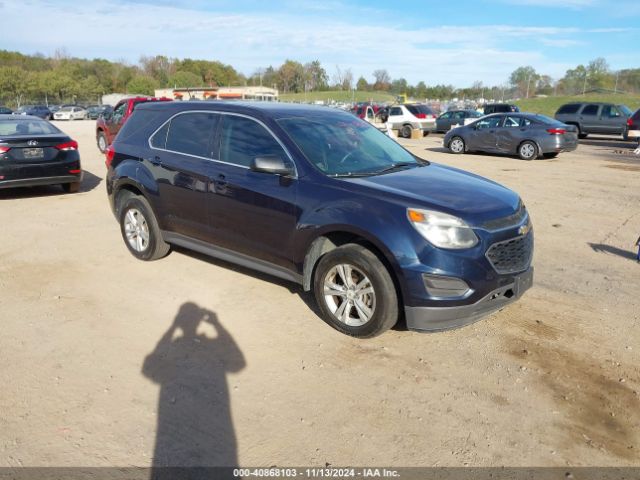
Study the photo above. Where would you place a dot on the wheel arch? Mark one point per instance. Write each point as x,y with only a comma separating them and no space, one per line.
332,239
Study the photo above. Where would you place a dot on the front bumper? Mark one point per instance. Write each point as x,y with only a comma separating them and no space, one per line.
445,318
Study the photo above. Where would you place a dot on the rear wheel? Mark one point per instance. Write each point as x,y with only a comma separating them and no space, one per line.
355,292
528,150
406,131
456,145
140,229
73,187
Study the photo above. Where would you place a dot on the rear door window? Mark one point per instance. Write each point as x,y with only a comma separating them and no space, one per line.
192,133
243,139
395,111
491,122
590,110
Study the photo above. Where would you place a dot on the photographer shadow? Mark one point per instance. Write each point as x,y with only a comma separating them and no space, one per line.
194,428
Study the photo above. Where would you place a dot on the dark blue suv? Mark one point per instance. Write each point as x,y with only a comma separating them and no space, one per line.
319,197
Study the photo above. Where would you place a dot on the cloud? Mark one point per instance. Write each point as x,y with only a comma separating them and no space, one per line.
456,55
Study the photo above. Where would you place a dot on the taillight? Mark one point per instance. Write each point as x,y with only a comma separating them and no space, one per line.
72,145
629,122
4,149
433,115
421,115
109,154
556,131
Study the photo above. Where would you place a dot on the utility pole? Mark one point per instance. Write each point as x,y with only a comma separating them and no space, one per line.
584,85
528,81
615,89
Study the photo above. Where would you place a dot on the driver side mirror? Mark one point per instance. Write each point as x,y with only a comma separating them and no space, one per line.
272,164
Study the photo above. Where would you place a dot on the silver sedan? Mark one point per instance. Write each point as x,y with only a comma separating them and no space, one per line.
527,135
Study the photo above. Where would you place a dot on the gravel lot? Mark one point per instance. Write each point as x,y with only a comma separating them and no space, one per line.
95,372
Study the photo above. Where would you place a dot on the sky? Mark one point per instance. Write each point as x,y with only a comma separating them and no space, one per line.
439,42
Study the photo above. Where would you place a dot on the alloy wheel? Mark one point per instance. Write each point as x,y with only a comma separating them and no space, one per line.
349,295
136,230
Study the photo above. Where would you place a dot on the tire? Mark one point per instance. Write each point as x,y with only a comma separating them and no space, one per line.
550,155
582,135
528,150
406,131
101,140
139,228
424,134
73,187
457,145
363,315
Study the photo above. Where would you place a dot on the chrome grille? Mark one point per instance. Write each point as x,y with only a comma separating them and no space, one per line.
511,256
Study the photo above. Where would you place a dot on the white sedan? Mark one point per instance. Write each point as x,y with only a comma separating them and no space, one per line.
70,113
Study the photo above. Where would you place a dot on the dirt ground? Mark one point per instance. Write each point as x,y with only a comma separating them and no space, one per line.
106,359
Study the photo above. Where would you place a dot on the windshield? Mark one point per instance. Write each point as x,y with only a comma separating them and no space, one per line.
26,127
346,146
626,110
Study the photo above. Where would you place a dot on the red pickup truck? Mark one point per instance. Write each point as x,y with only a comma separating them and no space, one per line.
108,126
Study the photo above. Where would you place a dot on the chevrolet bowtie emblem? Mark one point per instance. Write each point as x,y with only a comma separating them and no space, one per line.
524,229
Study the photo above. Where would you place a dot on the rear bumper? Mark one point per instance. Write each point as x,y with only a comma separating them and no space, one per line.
38,181
445,318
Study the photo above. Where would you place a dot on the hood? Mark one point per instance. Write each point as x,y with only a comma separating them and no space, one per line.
470,197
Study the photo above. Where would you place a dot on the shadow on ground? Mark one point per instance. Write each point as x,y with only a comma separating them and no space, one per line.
89,182
194,426
608,249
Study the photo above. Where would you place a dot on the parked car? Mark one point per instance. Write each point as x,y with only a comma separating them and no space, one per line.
35,152
408,117
594,117
525,134
94,111
5,111
109,124
500,108
70,113
318,197
455,117
633,127
40,111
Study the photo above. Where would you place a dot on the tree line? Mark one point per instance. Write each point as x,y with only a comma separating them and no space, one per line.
64,79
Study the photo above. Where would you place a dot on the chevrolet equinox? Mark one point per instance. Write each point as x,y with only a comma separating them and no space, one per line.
319,197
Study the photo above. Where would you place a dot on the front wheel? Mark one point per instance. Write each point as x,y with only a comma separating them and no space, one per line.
456,145
140,229
101,140
355,292
406,131
527,150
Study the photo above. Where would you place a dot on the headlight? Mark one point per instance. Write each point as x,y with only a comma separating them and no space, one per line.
442,230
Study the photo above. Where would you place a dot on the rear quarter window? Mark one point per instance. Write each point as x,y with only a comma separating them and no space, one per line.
568,109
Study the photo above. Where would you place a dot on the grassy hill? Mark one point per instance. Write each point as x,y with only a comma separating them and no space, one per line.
549,105
337,96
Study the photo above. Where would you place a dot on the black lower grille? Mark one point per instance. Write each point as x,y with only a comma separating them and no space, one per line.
512,255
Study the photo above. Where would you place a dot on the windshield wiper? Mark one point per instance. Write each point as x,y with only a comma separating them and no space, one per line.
352,174
395,166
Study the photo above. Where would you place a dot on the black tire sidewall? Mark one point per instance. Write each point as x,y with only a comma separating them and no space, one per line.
386,311
405,129
143,207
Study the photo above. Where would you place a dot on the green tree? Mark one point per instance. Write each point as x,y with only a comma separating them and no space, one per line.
142,84
182,79
524,79
362,85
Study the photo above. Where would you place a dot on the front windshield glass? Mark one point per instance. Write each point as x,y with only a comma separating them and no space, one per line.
626,110
340,145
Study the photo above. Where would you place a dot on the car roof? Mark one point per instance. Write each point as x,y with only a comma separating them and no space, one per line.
275,110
